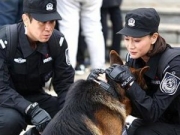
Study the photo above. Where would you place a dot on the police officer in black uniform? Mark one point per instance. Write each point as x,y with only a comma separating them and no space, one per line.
41,53
158,108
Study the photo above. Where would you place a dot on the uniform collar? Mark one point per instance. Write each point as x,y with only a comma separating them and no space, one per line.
42,48
153,64
25,45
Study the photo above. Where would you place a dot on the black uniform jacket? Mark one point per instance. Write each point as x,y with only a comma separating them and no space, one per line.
28,71
161,102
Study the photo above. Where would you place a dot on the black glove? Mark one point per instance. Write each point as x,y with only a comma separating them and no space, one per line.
95,73
94,77
39,117
120,74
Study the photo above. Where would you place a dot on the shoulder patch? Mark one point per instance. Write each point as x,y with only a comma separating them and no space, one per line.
67,56
3,44
61,41
169,83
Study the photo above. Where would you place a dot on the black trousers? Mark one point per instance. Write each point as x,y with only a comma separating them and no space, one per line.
116,19
13,122
139,127
82,46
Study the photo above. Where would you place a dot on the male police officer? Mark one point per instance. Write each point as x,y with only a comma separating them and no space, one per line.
23,77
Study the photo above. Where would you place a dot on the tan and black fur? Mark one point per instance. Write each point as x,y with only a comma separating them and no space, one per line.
90,110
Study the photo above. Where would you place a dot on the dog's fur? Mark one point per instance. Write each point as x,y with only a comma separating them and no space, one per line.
90,110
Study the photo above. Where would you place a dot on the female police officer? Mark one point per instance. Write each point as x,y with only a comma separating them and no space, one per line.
157,108
23,77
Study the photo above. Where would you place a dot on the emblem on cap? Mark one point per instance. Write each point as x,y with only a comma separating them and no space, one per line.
49,7
131,22
169,84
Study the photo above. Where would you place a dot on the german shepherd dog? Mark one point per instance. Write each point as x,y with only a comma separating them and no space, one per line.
91,110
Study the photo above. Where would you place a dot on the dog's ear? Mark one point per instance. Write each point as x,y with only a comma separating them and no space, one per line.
139,75
115,58
143,70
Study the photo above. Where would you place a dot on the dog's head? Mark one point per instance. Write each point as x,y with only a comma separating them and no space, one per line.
138,73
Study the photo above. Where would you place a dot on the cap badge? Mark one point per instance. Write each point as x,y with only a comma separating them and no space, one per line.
49,7
131,22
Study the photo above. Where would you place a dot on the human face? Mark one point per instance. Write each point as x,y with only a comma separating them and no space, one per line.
39,31
139,47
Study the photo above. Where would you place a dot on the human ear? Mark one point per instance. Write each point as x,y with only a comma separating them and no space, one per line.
154,37
25,19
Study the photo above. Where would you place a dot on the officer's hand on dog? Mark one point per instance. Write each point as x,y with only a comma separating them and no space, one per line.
39,117
95,73
120,74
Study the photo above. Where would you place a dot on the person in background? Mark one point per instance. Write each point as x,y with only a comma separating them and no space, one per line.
158,108
111,10
86,13
81,55
10,11
23,100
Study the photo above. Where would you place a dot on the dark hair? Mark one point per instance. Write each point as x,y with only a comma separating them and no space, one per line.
158,47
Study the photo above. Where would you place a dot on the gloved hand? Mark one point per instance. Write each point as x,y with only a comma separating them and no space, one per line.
39,117
120,74
94,77
95,73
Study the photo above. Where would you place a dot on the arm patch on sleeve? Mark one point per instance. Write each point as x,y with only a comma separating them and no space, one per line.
61,41
67,56
169,83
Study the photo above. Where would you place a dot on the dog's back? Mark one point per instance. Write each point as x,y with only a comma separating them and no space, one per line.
88,110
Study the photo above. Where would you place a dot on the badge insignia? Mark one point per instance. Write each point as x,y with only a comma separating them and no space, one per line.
169,84
47,60
49,7
19,60
131,22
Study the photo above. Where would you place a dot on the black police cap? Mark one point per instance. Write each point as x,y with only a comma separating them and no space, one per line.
42,10
140,22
